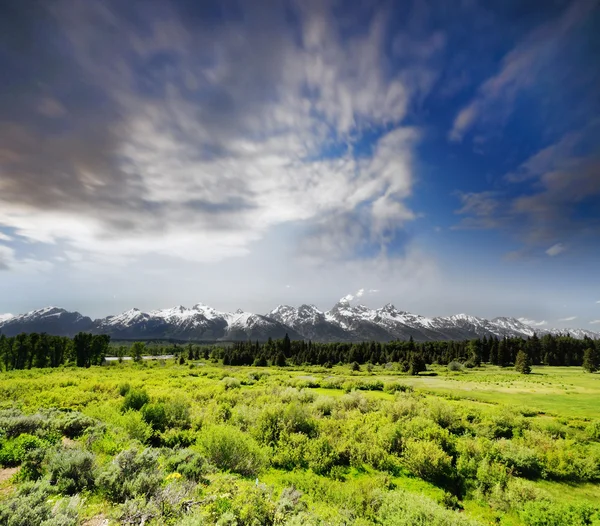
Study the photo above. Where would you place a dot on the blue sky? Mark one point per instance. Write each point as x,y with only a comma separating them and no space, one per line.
445,158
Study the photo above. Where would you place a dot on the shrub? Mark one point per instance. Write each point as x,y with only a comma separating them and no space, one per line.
455,366
593,430
135,399
231,383
427,460
14,423
124,389
14,451
401,508
190,464
545,513
28,507
131,474
72,470
396,387
230,449
135,426
522,460
74,424
155,415
32,467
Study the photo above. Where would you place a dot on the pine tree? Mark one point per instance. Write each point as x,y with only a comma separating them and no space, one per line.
417,364
280,359
591,361
523,363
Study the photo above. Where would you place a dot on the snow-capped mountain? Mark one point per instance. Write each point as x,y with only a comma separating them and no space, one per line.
344,322
200,322
5,317
52,320
310,322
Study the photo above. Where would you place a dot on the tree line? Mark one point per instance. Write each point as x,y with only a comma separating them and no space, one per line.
25,351
560,350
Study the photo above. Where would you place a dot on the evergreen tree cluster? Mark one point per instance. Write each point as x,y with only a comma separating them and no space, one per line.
25,351
549,350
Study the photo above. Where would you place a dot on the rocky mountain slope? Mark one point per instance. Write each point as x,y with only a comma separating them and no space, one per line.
344,322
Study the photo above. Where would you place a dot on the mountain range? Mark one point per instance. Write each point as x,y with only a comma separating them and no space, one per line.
344,322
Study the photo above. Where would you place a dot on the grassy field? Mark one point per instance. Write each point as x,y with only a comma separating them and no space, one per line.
163,443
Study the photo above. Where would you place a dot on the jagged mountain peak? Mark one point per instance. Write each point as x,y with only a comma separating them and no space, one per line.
345,322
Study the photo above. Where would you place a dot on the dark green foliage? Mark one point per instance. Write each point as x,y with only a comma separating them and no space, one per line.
71,470
190,464
138,350
40,350
135,399
155,415
417,364
354,366
591,360
523,363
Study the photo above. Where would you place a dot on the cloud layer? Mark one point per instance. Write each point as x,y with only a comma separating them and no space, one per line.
193,141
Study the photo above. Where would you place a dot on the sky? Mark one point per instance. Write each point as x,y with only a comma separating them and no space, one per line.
444,157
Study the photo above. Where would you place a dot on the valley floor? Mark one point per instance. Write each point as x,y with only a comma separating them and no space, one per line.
162,443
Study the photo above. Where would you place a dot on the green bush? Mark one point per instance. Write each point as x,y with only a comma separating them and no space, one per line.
522,460
401,508
135,399
72,470
28,507
14,451
230,449
131,474
545,513
74,424
135,426
14,423
427,460
155,415
190,464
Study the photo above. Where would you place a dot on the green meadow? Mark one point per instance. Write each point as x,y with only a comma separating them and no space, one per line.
159,442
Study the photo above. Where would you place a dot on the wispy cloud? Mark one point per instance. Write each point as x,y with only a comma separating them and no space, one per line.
556,249
242,119
595,322
558,178
569,318
533,323
519,70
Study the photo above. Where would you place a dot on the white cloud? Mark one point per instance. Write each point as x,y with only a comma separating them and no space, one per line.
4,237
533,323
556,249
202,177
569,318
6,317
594,322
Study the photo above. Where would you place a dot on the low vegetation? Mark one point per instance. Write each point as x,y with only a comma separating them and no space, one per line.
194,443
